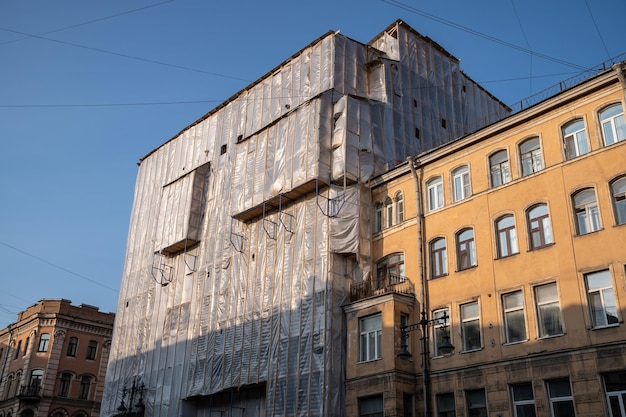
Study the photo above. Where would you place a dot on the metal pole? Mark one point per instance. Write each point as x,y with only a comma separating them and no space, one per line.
425,371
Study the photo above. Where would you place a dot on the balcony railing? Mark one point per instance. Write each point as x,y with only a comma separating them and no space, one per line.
382,284
30,392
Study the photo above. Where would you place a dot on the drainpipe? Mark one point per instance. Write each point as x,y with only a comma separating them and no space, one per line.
422,285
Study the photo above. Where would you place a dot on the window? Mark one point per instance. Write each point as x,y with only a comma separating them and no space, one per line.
36,379
438,258
561,400
378,217
388,213
44,340
613,125
465,250
18,381
539,228
618,190
26,346
523,400
530,156
548,310
407,405
514,321
586,211
92,348
9,383
404,321
461,183
399,207
435,193
575,139
371,334
85,384
499,167
64,385
72,346
476,403
371,406
615,386
18,350
390,270
602,304
440,329
506,237
470,326
445,405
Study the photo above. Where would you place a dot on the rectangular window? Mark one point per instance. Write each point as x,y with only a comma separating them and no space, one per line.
548,310
445,405
514,320
371,406
72,346
615,386
523,400
92,347
407,405
370,340
85,385
404,321
44,340
470,326
476,403
64,386
601,299
561,400
440,329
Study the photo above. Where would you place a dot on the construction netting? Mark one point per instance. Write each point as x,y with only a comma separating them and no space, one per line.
249,227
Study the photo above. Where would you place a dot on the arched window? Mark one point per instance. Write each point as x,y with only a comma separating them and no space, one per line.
539,229
9,384
499,168
438,258
461,183
44,341
388,212
586,211
531,158
399,207
85,385
378,217
18,350
92,348
465,249
64,384
18,382
506,237
575,139
435,193
618,192
72,346
390,270
613,125
36,380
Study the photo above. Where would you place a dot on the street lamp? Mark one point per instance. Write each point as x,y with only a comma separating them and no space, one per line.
136,410
445,348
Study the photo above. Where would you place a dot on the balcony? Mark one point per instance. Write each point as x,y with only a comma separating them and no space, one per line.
382,284
29,392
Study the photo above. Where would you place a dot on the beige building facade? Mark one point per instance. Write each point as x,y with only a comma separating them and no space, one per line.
517,233
53,360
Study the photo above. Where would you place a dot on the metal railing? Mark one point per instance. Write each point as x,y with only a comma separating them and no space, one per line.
382,284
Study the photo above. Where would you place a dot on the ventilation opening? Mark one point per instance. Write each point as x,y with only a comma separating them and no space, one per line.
223,150
443,123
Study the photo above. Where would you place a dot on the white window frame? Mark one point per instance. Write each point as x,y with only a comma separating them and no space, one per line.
369,336
399,207
440,329
575,139
539,224
378,217
618,197
512,305
461,183
388,214
542,304
506,236
554,399
499,168
44,341
435,193
586,211
522,402
612,123
531,157
465,249
601,298
438,258
470,320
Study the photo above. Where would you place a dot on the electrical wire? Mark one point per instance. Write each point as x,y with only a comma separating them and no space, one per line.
597,29
58,266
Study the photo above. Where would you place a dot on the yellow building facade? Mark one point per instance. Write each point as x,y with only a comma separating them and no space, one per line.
517,233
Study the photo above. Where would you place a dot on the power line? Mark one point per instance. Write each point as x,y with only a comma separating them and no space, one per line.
104,51
597,30
479,34
58,266
89,22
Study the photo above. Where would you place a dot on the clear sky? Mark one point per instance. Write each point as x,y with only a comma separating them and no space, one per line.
87,88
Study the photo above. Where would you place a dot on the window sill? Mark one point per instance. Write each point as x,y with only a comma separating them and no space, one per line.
471,351
589,233
506,257
368,361
467,269
608,326
548,245
519,342
551,336
439,276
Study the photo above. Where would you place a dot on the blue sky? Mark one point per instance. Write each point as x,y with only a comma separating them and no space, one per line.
88,88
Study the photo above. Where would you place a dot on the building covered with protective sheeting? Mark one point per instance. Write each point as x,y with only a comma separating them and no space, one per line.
250,225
